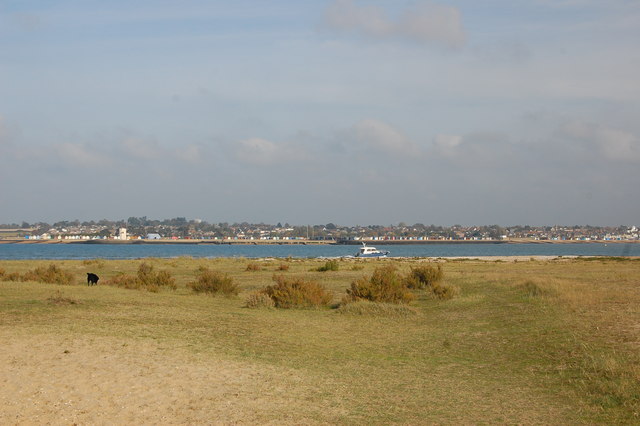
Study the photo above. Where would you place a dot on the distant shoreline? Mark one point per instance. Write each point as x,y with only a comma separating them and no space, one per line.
316,242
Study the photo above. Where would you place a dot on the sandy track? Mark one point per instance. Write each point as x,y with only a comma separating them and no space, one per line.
48,380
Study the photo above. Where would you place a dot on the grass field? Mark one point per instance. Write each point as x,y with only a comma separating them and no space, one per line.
521,342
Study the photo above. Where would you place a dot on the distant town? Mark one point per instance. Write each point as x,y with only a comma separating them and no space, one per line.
182,229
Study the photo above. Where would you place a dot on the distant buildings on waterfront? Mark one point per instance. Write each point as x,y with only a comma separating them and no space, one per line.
180,228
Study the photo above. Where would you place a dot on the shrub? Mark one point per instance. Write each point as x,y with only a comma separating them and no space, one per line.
424,276
124,281
297,292
165,279
213,282
330,265
365,307
254,267
259,299
283,267
145,279
383,286
11,276
2,273
443,292
52,274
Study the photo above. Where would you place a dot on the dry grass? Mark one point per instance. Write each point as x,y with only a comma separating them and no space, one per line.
547,342
377,309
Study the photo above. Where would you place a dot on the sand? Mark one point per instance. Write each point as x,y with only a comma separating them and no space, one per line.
50,380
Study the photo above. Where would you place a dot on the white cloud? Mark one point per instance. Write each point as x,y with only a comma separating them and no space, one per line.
191,154
426,22
3,131
383,137
614,144
371,20
142,149
263,152
447,144
79,155
430,22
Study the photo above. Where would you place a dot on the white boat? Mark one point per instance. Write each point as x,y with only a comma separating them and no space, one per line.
368,251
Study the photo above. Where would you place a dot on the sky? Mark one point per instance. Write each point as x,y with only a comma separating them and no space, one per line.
352,112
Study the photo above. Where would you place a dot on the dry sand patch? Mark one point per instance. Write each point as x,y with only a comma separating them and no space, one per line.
51,380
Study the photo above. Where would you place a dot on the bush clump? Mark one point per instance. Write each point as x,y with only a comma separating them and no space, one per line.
330,265
213,282
11,276
424,276
283,267
385,285
443,291
259,299
145,279
51,274
297,292
254,267
430,277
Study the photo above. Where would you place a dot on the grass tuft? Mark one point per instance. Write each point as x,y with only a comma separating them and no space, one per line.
59,299
259,299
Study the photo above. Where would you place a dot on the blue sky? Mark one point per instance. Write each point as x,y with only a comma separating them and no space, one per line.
343,111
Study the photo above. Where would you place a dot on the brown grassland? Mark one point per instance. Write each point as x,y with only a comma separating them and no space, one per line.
538,341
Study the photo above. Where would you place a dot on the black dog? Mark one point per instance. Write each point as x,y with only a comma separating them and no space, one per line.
92,279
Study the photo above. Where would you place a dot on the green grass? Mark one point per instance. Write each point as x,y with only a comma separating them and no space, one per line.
527,342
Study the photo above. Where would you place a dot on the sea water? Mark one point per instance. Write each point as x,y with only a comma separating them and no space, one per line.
19,251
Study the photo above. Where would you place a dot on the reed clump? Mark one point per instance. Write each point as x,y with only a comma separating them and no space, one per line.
297,292
213,282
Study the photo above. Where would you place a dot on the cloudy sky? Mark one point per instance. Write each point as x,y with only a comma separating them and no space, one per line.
317,111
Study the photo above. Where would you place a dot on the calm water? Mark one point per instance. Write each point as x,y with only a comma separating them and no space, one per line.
117,251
